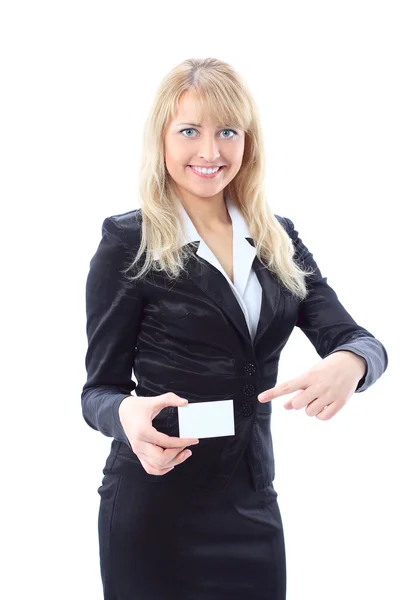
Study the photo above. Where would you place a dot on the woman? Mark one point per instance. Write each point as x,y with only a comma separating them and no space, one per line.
198,292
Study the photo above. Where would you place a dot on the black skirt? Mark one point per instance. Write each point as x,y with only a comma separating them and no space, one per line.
161,540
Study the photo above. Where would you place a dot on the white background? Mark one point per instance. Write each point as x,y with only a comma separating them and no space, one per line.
77,79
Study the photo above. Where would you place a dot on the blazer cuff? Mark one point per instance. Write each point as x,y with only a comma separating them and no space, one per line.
119,433
100,408
375,356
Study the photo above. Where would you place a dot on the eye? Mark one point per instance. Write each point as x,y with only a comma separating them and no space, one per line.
227,138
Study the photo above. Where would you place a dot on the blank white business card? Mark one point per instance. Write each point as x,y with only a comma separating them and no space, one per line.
213,418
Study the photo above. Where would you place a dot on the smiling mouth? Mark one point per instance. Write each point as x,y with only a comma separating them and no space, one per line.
212,172
211,175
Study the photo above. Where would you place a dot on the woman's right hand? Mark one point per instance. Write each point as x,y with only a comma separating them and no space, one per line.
159,453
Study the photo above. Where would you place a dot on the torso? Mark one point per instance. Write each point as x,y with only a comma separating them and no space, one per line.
221,245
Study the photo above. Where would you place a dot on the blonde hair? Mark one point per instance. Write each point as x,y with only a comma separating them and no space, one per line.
224,97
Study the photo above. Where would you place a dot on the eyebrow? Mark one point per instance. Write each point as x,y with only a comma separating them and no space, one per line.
194,124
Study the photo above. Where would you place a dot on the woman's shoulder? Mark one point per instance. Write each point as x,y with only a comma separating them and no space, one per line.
129,224
282,220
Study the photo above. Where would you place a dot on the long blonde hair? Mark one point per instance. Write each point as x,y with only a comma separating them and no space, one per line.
224,97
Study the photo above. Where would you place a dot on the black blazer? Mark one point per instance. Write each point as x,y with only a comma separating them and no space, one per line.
190,337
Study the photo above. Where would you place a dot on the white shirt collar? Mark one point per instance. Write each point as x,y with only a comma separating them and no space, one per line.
243,252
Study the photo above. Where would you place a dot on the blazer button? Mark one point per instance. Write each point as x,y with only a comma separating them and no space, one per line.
250,369
249,389
246,410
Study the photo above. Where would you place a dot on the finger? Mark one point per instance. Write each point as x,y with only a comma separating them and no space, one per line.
152,435
152,470
166,400
287,387
164,467
329,411
303,398
289,403
157,456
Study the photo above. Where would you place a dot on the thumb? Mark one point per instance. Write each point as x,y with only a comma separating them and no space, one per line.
171,399
166,400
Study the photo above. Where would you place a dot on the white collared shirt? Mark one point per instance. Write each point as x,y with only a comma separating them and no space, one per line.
246,286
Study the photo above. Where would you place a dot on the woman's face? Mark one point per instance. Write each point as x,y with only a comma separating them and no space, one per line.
189,142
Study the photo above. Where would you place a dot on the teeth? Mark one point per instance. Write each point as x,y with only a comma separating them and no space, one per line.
205,171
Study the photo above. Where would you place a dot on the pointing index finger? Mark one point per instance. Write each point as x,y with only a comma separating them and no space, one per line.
286,387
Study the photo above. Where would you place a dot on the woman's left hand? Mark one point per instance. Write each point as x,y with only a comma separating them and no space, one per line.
325,388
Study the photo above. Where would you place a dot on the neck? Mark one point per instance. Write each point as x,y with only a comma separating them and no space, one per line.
207,214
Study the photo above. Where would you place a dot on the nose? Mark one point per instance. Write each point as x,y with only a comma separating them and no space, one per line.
209,148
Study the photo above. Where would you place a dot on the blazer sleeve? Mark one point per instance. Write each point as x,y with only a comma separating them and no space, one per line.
328,325
113,315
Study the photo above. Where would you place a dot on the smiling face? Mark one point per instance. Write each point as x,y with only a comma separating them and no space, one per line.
191,141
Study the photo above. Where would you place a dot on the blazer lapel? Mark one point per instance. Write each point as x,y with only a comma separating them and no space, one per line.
271,298
211,281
